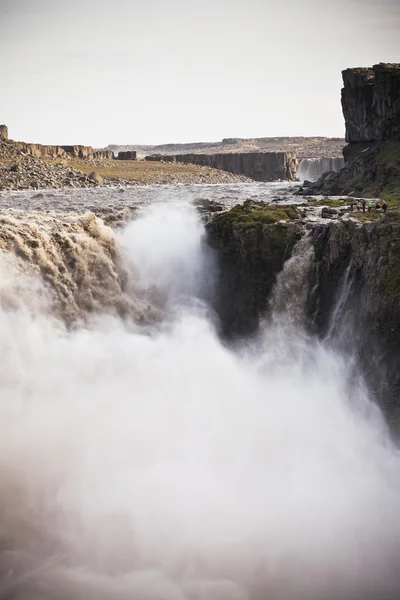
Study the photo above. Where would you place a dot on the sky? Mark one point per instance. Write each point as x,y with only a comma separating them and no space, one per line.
155,71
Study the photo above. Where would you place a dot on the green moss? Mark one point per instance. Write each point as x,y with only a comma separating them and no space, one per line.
337,203
251,214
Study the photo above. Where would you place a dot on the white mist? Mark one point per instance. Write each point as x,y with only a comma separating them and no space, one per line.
165,466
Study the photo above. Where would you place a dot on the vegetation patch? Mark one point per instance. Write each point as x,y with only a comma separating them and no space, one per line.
253,214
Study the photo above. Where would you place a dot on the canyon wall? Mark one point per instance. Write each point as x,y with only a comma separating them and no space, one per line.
371,109
252,242
371,102
260,166
77,151
45,151
353,290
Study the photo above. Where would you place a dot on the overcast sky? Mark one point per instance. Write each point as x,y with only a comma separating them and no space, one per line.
155,71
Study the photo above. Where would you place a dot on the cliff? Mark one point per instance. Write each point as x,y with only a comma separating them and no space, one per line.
253,241
371,103
371,109
260,166
304,147
356,268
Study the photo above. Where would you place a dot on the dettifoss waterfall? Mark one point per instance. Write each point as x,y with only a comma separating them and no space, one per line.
143,458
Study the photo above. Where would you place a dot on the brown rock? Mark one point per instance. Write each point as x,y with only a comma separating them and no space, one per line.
3,132
96,178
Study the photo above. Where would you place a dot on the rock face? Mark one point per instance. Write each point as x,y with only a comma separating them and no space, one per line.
260,166
353,284
3,132
129,155
362,262
23,171
82,152
371,108
371,102
252,241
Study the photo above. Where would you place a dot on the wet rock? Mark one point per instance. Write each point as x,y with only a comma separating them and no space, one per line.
328,213
252,243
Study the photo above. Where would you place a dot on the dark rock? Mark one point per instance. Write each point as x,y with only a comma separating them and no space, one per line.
328,213
371,108
371,102
252,245
129,155
260,166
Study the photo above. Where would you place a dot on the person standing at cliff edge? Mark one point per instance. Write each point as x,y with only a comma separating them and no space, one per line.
384,207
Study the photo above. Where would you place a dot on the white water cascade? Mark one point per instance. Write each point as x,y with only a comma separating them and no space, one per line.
311,169
159,464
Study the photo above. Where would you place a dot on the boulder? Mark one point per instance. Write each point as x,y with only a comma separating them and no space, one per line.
96,178
328,213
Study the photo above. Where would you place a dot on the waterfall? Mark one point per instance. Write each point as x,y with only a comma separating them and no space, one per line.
290,293
339,309
311,169
79,263
159,463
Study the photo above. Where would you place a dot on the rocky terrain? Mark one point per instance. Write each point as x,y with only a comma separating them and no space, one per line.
371,108
20,171
304,147
32,166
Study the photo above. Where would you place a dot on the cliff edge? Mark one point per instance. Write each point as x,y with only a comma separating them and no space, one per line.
371,109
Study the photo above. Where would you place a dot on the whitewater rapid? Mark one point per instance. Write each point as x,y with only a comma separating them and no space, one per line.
157,463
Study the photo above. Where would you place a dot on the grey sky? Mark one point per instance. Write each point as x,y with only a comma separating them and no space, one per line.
123,71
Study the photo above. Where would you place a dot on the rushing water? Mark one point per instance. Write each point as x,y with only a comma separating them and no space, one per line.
156,463
104,200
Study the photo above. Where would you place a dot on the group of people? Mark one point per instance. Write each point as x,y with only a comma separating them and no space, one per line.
367,207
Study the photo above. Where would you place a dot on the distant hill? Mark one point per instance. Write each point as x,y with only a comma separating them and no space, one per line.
305,147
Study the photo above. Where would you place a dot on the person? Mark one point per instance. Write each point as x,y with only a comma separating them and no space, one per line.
384,207
364,205
369,206
377,206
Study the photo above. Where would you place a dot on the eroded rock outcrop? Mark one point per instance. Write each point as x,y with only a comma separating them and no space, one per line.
3,132
371,108
371,103
362,263
353,292
253,241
